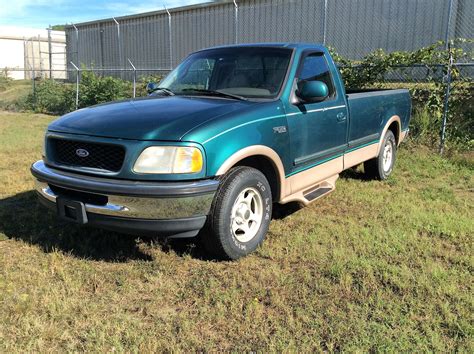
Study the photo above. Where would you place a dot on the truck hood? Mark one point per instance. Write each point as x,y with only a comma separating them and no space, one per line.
150,118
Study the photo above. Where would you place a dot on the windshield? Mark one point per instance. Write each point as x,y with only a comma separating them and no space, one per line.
244,71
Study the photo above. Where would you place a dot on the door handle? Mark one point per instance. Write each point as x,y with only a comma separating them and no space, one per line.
341,117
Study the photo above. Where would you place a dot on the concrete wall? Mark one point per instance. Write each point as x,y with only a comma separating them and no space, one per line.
24,50
12,56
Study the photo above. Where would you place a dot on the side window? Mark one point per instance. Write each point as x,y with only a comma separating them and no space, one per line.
315,68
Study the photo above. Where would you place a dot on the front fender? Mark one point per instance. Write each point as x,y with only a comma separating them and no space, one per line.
256,131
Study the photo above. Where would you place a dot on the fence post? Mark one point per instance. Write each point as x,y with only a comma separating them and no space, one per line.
134,78
119,43
170,37
50,53
448,24
236,21
33,83
77,83
32,56
39,56
325,21
27,61
77,43
446,100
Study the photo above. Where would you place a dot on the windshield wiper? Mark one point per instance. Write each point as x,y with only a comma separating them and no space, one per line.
163,89
215,93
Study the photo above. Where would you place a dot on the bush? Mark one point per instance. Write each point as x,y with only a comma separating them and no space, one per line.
421,126
59,98
96,89
51,97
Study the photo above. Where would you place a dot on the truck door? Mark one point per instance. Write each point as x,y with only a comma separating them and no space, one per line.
317,130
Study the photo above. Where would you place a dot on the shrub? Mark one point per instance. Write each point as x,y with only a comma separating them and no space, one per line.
96,89
59,98
421,125
51,97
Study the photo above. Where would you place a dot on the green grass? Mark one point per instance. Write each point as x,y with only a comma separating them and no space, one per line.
375,266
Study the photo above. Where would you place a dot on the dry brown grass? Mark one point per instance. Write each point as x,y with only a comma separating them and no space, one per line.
374,266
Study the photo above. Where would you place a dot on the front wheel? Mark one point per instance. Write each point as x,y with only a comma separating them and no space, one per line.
382,166
240,214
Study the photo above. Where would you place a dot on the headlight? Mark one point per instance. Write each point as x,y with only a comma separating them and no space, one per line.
169,159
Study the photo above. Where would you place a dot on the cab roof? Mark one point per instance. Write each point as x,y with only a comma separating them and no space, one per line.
291,45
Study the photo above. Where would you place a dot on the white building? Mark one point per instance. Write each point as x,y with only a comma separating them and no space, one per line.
24,51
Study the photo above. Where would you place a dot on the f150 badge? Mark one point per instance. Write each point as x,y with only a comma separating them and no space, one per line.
280,129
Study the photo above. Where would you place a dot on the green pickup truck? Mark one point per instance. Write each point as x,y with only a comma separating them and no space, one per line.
225,135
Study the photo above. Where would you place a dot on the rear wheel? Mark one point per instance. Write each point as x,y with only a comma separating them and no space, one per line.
240,214
382,166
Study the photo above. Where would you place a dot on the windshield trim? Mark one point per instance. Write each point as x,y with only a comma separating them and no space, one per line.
252,99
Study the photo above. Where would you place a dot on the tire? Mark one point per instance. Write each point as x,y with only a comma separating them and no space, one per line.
382,166
230,231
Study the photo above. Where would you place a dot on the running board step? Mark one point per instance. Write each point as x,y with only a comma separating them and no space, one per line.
319,192
311,192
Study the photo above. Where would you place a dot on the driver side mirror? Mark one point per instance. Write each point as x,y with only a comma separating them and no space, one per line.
151,87
312,91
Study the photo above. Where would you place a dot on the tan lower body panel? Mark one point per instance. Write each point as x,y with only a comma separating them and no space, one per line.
305,182
310,185
355,157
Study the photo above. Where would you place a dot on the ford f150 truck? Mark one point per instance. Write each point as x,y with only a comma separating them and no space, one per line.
225,135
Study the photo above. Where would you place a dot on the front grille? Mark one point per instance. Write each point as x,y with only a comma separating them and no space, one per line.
101,156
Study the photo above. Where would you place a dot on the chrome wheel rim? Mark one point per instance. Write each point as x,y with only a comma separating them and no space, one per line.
247,215
387,156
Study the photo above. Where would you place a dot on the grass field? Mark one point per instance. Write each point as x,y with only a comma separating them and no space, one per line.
13,91
375,266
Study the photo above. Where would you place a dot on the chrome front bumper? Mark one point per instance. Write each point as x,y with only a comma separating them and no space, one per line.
168,208
140,207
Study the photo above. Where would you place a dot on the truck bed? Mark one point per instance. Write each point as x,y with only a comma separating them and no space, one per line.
369,109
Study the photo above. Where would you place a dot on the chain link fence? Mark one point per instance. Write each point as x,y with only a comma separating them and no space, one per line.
353,27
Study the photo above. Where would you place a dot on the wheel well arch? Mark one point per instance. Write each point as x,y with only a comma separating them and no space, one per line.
394,125
264,165
264,159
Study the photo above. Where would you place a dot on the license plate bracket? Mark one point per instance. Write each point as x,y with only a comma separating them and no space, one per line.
71,210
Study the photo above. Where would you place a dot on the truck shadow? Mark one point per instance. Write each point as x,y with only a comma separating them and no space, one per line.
23,218
354,173
280,211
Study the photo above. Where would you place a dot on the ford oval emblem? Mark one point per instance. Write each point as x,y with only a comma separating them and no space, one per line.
82,152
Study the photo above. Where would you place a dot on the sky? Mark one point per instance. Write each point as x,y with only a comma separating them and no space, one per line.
42,13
